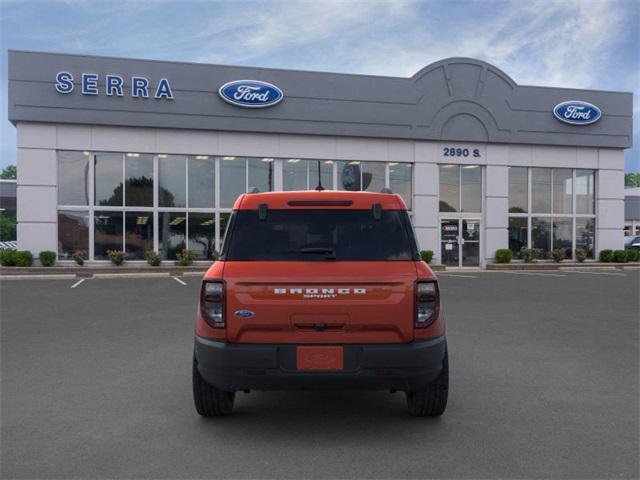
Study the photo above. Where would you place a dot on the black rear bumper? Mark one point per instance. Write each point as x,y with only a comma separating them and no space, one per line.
409,367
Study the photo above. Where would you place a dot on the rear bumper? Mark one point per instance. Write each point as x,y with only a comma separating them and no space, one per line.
231,367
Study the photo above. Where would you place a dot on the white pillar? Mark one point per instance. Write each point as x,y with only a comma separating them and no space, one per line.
496,210
425,198
610,200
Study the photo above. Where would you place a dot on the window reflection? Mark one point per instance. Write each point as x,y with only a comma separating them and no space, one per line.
260,174
233,180
73,178
172,188
541,190
471,188
585,235
562,190
373,176
562,235
108,179
201,182
107,233
541,235
172,231
449,188
138,170
294,174
138,234
326,173
517,235
518,190
202,234
400,180
349,176
585,192
73,233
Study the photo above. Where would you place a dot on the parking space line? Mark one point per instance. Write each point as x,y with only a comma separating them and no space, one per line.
599,273
78,283
179,281
538,274
455,275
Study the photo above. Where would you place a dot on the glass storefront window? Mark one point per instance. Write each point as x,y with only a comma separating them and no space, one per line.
260,174
172,186
224,222
373,176
138,173
585,192
107,233
202,182
326,173
349,175
471,190
294,174
517,235
73,233
562,190
585,235
449,188
541,190
400,181
138,237
233,180
73,178
541,235
108,179
172,232
562,235
518,190
202,235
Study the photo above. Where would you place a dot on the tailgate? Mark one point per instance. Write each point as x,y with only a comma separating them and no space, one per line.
320,302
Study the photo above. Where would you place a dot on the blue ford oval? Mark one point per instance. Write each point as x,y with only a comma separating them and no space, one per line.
243,313
250,93
577,112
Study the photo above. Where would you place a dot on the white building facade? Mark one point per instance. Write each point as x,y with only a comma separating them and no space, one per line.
483,163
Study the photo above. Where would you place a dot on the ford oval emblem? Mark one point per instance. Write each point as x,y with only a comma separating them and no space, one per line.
577,112
250,93
244,313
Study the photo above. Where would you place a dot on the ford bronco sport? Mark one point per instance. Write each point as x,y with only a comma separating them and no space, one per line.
320,289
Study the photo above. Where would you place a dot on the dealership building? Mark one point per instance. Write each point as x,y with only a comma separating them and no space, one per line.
138,155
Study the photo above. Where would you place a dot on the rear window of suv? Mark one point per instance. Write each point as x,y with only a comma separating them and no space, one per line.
320,235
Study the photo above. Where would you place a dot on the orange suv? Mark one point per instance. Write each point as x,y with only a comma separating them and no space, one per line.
319,290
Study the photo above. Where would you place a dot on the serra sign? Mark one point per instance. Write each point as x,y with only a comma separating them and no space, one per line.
250,93
113,85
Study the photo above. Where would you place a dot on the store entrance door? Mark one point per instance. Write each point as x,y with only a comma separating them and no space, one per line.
460,242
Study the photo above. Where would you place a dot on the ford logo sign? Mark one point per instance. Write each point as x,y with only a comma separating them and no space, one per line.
577,112
250,93
244,313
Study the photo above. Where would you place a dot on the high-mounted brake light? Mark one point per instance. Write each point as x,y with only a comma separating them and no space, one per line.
427,303
212,299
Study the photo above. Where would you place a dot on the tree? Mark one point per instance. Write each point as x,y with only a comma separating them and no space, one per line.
632,180
9,173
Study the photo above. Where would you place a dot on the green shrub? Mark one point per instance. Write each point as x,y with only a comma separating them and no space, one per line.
633,255
153,258
47,258
503,255
79,256
8,258
24,258
558,255
606,256
426,255
620,256
526,254
215,255
581,254
184,258
117,257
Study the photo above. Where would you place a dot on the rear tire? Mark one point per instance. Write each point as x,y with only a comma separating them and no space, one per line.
432,401
210,401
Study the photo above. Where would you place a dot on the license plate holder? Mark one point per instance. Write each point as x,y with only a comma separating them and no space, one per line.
320,359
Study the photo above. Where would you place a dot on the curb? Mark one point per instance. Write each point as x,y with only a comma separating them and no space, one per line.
561,266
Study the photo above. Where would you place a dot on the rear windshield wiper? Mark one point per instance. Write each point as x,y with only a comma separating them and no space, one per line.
330,253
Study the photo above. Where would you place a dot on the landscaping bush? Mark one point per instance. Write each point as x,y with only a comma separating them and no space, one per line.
620,256
79,256
185,258
8,258
558,255
215,255
526,254
426,255
24,258
606,256
153,258
503,255
117,257
47,258
581,254
633,255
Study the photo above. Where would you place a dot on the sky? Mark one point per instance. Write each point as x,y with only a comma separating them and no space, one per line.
564,43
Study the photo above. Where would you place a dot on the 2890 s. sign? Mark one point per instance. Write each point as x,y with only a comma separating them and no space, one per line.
577,112
250,93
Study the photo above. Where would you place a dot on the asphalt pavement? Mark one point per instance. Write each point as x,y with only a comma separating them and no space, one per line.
96,383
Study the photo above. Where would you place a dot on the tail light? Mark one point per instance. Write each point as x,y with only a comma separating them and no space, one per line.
212,296
427,303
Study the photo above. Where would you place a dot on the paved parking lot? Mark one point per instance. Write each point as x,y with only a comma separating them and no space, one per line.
96,384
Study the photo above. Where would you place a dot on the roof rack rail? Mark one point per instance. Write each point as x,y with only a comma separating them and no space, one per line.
386,190
254,190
